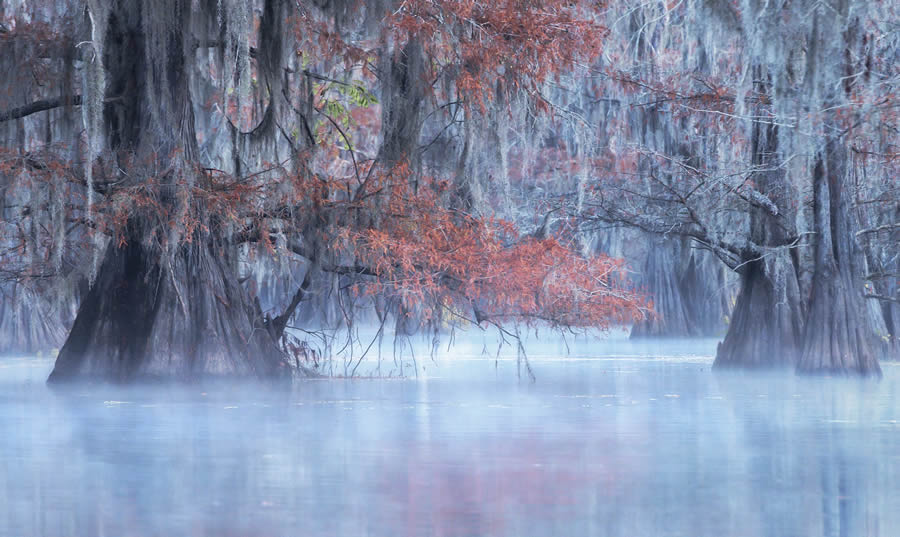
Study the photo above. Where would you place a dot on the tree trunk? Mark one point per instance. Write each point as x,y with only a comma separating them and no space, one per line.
766,324
883,265
402,96
29,324
837,339
709,294
767,321
685,302
890,310
176,312
147,316
660,279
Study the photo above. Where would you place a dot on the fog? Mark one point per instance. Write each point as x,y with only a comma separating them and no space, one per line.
616,438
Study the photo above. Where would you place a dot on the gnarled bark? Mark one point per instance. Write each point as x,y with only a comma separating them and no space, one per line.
766,324
836,339
155,313
767,321
148,316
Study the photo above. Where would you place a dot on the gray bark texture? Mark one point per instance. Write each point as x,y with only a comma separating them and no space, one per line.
837,339
162,312
147,318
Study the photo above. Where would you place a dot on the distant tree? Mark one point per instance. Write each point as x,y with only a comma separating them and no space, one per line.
768,133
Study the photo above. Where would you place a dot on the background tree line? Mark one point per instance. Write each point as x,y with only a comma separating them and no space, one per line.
194,177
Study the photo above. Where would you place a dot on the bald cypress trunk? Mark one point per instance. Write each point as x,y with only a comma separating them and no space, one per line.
837,339
887,286
709,293
660,279
766,324
402,97
146,317
767,321
164,303
29,323
687,299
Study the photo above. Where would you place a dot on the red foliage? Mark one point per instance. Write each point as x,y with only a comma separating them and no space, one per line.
502,46
406,236
447,263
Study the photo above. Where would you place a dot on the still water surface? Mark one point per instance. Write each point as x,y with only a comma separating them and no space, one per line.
651,444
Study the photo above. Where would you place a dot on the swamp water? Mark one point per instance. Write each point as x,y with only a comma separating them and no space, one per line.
617,439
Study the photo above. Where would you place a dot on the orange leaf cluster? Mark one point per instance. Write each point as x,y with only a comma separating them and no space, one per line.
445,264
502,46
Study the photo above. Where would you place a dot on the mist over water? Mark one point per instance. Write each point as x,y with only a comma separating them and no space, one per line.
617,438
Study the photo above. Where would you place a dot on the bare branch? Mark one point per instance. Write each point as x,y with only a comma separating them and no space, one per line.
878,229
40,106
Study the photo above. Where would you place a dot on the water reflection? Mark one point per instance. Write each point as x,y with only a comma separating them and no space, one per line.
625,447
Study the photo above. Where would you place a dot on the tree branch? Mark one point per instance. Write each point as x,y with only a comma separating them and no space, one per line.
877,229
883,297
40,106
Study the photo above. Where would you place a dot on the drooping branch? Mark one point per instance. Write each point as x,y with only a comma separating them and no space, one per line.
48,104
729,253
881,275
40,106
883,297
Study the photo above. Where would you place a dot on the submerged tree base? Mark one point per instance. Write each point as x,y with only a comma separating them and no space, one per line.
837,341
760,335
183,316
